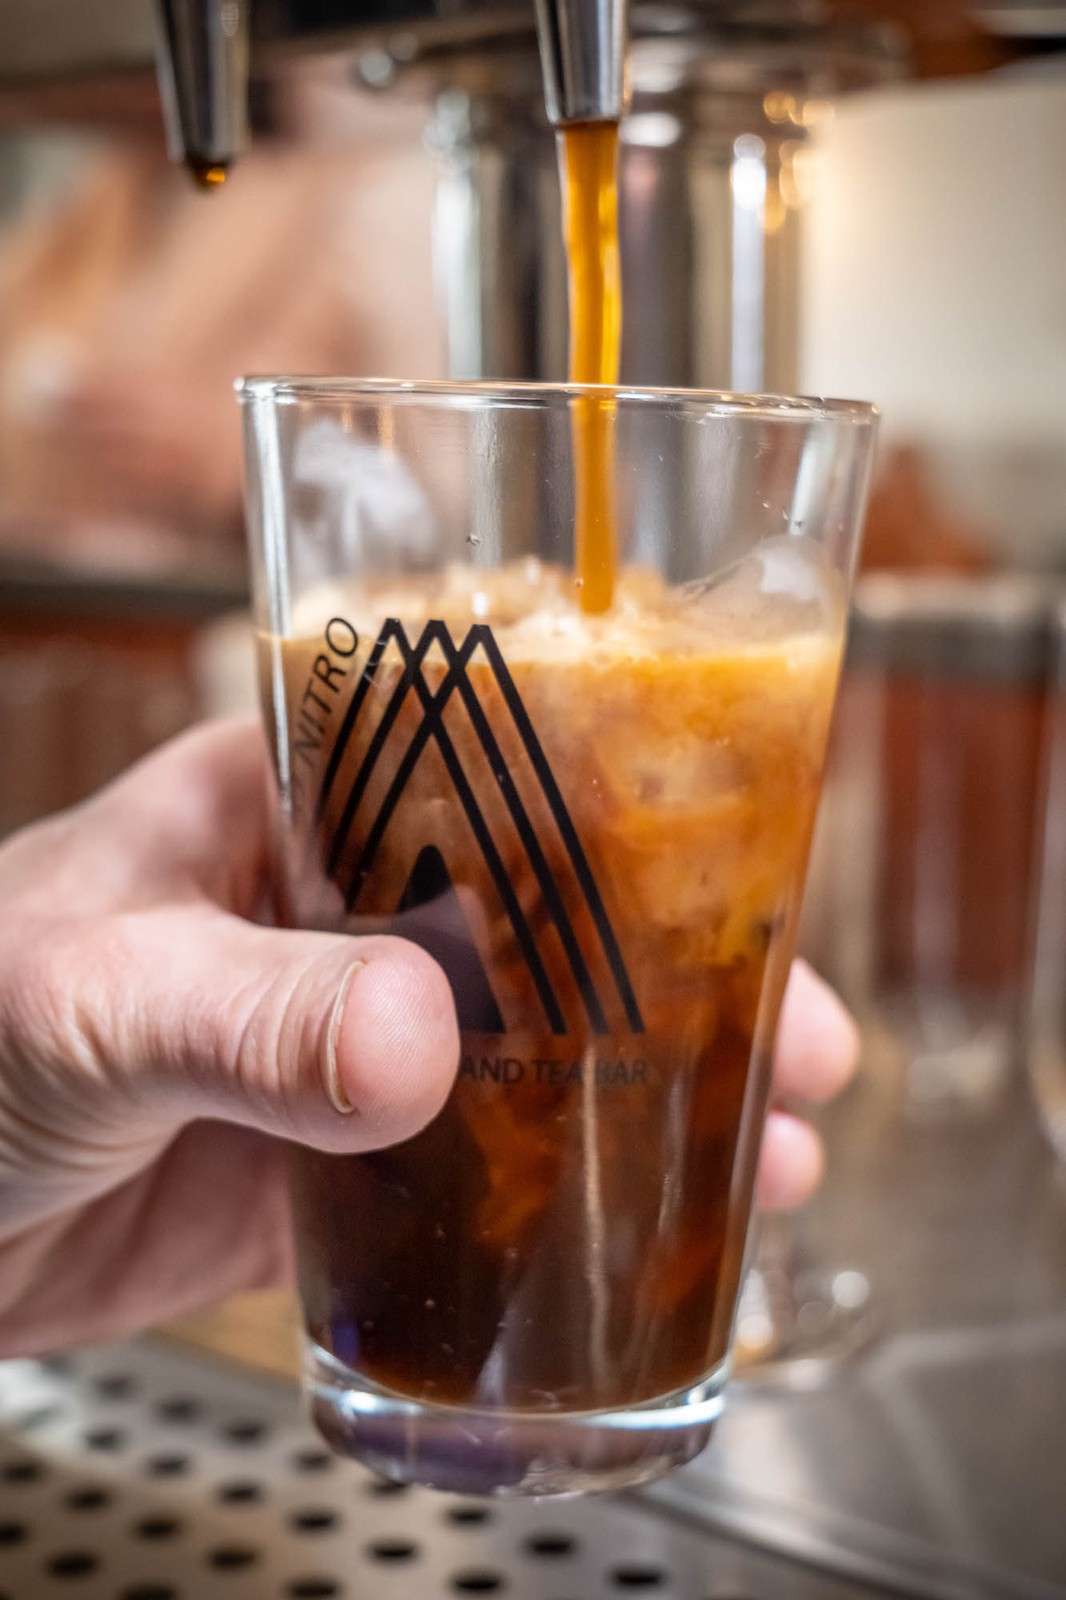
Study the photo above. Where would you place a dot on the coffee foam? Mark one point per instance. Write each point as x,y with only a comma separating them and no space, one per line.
783,596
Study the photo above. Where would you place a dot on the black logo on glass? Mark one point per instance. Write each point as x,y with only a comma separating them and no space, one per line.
446,932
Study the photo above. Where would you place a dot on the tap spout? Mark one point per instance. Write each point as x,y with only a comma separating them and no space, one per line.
203,78
582,52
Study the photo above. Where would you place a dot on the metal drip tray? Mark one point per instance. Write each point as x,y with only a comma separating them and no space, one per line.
141,1472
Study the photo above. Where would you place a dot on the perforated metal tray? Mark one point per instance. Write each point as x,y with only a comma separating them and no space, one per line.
142,1472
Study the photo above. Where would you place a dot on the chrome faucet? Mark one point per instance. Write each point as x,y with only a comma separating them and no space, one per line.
203,80
204,50
583,57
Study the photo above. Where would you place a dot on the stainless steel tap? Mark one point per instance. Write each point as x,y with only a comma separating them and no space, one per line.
203,80
203,64
582,55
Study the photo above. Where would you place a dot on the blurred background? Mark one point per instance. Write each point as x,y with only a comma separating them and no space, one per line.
129,304
924,268
855,200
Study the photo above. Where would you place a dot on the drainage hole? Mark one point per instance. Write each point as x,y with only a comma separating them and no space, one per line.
468,1516
168,1466
157,1528
114,1386
313,1461
87,1500
245,1431
149,1591
474,1582
551,1544
242,1493
105,1439
636,1576
73,1564
179,1409
386,1486
12,1533
21,1471
313,1589
232,1557
393,1550
314,1521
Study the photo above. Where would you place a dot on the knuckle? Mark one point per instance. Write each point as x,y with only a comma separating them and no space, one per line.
33,999
50,1065
66,1108
50,1000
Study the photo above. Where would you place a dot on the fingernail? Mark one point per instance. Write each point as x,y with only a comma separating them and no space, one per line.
331,1072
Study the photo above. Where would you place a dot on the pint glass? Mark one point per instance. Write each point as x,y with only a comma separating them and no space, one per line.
597,823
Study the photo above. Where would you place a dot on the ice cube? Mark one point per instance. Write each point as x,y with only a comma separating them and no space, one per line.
787,585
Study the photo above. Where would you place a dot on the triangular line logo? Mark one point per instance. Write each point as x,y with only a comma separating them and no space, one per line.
431,727
430,913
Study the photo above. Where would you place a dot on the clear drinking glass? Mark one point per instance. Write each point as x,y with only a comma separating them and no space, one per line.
598,824
1045,1031
934,781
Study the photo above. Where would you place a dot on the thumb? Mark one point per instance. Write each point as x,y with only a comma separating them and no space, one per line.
187,1011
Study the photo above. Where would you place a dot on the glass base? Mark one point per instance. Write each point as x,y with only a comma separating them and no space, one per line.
495,1452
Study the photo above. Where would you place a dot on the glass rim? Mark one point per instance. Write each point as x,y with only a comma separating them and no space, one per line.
722,402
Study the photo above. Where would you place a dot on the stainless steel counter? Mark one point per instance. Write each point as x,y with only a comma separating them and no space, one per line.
937,1461
143,1472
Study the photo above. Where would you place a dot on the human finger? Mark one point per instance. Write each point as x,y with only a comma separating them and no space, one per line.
190,820
146,1021
791,1163
817,1040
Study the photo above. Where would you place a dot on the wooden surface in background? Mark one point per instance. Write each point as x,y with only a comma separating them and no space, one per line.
258,1330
